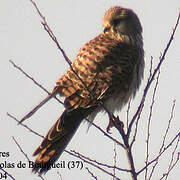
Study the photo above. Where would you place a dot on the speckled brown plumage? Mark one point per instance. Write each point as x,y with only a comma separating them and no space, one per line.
99,66
109,69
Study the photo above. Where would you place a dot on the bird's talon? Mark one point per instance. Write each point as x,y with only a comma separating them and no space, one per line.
108,130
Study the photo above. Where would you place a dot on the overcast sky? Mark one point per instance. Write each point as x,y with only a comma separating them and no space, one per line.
23,40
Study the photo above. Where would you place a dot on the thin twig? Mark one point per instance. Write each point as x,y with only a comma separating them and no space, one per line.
164,138
6,173
18,145
34,81
114,158
20,148
60,176
106,134
149,122
53,37
48,29
99,163
171,164
159,155
150,69
91,163
127,113
94,177
118,124
136,127
50,95
172,167
11,116
129,154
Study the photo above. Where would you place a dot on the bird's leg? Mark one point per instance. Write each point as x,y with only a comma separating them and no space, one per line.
114,122
111,124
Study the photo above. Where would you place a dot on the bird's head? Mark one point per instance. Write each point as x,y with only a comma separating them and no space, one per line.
121,20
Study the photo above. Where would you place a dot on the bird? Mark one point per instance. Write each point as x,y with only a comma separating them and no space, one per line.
105,74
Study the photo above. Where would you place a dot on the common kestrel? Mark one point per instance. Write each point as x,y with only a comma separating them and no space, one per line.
106,72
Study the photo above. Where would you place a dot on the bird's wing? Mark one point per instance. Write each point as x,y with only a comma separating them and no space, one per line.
101,66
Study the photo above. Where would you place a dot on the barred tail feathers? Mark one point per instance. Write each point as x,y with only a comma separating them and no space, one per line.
58,138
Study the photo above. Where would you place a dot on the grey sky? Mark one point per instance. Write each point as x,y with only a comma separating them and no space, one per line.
23,40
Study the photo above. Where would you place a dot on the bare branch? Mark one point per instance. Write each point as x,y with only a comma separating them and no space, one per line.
172,167
129,155
171,164
20,148
159,155
94,177
114,158
11,116
150,69
51,34
28,115
169,123
34,81
39,85
136,128
127,113
99,163
18,145
149,122
106,134
164,138
7,174
91,163
118,124
28,76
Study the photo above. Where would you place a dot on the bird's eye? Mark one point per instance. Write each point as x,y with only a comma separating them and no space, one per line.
106,30
116,22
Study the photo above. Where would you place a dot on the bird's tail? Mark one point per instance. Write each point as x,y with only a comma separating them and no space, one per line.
58,138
